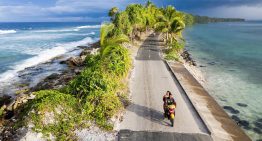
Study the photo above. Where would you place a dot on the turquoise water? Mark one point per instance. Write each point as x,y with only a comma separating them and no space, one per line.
230,56
24,45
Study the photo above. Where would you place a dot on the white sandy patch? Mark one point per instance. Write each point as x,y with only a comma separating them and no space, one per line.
95,134
26,134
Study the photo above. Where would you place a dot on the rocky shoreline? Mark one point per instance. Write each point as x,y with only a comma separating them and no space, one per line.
192,66
10,105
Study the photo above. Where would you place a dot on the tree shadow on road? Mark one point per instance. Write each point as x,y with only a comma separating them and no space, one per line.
149,49
148,113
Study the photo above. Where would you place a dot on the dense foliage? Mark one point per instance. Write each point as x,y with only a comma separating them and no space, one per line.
196,19
53,112
97,93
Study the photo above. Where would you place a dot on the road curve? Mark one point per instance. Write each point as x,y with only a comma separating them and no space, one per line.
149,81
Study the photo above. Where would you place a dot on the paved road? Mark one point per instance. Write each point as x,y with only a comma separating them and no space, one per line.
149,81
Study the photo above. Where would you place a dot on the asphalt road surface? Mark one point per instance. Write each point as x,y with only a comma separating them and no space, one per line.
144,120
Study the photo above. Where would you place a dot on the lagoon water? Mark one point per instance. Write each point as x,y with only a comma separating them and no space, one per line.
230,56
24,45
230,52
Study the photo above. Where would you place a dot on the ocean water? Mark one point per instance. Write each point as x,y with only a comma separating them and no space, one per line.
230,57
24,45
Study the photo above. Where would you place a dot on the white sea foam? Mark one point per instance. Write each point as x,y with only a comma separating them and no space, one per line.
88,26
55,30
42,57
7,31
68,29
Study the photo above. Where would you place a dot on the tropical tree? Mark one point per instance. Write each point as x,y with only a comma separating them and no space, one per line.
136,17
150,14
122,22
112,13
149,3
188,19
170,23
109,36
105,29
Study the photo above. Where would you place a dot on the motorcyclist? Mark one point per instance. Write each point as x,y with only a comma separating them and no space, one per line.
165,102
168,99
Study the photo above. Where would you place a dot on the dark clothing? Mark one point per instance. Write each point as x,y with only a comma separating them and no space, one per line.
165,98
169,101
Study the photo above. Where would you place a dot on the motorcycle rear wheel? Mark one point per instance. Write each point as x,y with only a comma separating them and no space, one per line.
172,122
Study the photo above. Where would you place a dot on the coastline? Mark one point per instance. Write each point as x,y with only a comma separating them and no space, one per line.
193,68
73,65
82,98
218,122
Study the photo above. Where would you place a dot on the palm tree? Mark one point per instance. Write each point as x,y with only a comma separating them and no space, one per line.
122,23
136,17
105,29
170,23
149,3
108,36
112,13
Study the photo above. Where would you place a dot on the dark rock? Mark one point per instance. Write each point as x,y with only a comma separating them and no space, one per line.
243,123
187,57
75,61
258,124
211,63
256,130
259,120
242,104
58,58
52,76
47,83
235,118
9,114
95,45
83,47
231,109
5,99
63,62
203,58
247,127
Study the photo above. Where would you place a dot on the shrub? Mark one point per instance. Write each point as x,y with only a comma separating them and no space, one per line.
91,79
102,106
122,22
53,112
116,60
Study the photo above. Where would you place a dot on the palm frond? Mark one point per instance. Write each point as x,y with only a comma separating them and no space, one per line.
117,40
105,29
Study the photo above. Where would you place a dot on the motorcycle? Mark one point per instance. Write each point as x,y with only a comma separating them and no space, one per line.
171,114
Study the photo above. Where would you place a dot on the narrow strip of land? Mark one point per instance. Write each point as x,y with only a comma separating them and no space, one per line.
144,117
221,126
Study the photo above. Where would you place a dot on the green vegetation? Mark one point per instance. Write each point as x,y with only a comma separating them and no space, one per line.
171,23
172,53
190,19
54,112
99,91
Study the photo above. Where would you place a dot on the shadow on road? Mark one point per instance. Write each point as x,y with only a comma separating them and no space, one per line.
149,50
128,135
148,113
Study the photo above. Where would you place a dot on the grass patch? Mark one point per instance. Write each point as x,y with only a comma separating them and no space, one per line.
172,53
53,112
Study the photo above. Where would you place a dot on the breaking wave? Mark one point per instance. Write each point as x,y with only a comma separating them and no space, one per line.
7,31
